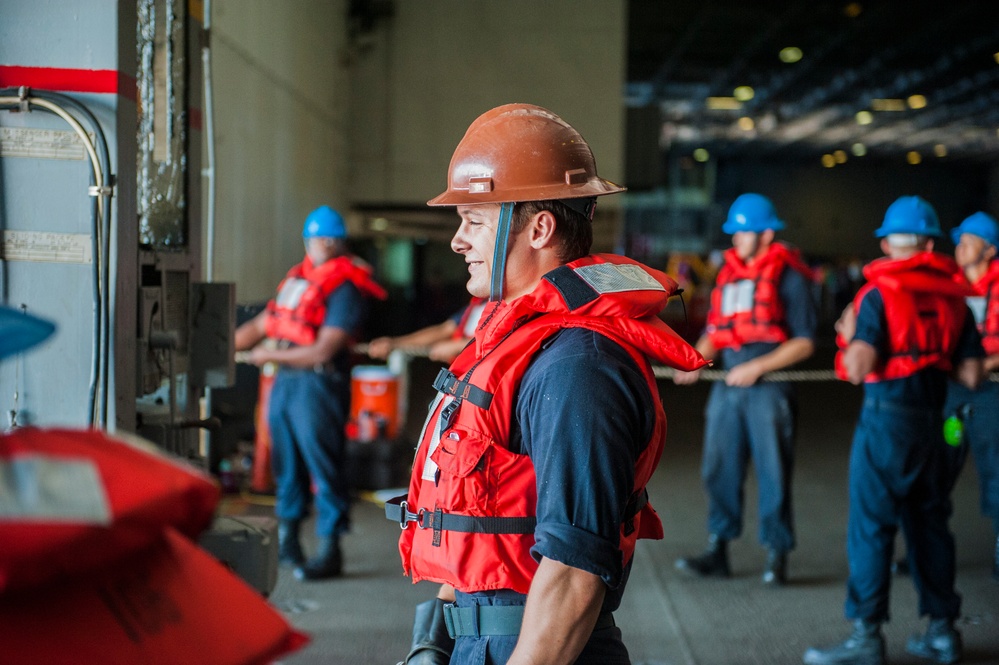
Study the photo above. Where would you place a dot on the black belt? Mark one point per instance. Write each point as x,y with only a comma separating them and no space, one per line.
480,620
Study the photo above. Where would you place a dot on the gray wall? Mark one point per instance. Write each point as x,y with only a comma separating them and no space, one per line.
306,115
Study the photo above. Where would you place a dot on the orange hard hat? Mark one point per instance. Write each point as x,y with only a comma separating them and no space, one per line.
521,152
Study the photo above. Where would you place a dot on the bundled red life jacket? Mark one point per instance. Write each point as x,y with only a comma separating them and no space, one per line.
475,499
745,303
924,310
86,500
987,308
298,310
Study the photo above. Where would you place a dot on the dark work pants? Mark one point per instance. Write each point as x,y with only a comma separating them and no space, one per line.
308,410
901,474
981,436
755,423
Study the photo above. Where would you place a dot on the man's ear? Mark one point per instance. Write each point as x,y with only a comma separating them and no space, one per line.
541,229
989,252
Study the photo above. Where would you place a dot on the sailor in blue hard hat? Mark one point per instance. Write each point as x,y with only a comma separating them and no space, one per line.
976,240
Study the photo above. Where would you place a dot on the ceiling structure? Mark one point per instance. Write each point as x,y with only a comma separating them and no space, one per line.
908,80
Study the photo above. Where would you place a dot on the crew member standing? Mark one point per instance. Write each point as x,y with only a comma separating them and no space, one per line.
907,329
976,239
319,308
762,319
528,487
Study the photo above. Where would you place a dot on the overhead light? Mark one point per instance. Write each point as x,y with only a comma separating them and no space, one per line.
996,56
940,150
858,149
379,224
701,155
916,101
828,161
913,157
865,118
746,124
888,104
723,103
853,9
840,156
790,54
744,93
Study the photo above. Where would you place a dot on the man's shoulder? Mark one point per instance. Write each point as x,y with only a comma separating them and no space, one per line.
576,350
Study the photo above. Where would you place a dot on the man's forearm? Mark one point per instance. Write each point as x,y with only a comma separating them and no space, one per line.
562,608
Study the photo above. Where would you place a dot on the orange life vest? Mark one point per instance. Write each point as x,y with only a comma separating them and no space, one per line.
745,303
475,499
924,309
298,310
985,305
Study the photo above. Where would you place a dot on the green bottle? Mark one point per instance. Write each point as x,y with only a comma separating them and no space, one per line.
953,431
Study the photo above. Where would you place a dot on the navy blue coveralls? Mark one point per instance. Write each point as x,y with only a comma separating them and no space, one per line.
902,473
756,422
308,410
582,443
981,438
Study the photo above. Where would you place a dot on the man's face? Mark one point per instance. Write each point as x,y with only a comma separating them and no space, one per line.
474,239
746,243
321,250
971,250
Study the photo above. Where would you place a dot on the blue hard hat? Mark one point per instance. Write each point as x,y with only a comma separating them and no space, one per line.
980,224
324,222
752,212
910,214
20,331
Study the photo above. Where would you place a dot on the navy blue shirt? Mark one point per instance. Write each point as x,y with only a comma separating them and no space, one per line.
800,317
927,387
584,414
346,309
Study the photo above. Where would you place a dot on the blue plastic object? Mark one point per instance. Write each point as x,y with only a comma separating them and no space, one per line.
980,224
324,222
752,212
910,214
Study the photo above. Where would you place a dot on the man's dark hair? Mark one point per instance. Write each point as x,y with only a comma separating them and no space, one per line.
573,231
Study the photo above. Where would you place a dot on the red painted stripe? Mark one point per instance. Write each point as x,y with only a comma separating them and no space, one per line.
194,118
69,80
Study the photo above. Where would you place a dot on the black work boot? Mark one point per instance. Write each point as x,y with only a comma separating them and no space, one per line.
289,546
866,646
713,563
940,643
775,573
327,563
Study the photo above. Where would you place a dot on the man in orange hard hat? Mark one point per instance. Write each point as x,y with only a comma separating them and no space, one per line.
528,490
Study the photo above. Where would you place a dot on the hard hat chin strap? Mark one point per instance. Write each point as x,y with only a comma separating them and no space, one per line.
499,252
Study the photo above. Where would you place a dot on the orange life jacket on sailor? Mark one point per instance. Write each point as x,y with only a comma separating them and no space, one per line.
745,303
985,305
925,311
298,310
473,498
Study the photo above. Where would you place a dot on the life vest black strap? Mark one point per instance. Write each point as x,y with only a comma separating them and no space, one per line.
575,291
448,383
397,510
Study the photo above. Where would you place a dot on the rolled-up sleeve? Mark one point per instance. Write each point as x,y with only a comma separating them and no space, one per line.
585,415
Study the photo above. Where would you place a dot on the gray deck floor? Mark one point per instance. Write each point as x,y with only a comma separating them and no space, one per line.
667,618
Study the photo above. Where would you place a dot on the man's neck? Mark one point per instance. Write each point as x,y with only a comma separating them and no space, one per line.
976,271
